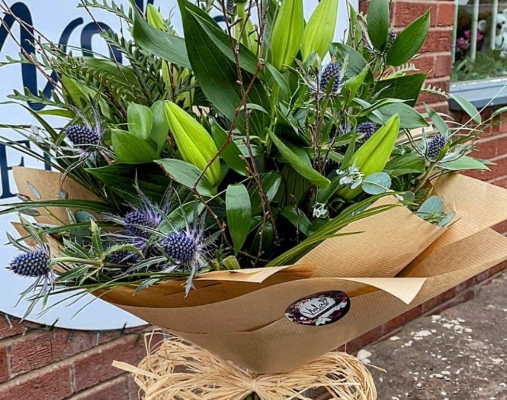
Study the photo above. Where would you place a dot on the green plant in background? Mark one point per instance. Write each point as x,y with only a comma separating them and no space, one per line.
237,145
485,66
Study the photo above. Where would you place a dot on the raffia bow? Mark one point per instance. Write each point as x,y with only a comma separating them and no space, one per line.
179,371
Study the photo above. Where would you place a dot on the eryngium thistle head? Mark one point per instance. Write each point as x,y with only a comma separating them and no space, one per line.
331,71
123,257
179,247
32,264
230,6
367,129
135,220
82,137
435,146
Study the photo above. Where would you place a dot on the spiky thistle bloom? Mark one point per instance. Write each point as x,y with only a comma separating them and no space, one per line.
179,247
123,257
435,146
366,129
138,220
330,72
82,137
34,264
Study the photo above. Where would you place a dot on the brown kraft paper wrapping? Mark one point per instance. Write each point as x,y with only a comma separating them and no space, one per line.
241,315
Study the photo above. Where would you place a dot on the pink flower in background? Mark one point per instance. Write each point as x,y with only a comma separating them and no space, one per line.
462,43
468,33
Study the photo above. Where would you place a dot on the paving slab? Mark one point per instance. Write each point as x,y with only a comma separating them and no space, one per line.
460,354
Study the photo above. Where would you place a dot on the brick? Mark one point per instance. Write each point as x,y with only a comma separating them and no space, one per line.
443,65
500,169
31,352
95,365
12,329
4,364
439,39
426,63
133,390
460,298
501,228
446,14
66,344
403,319
53,384
407,12
111,390
358,343
430,305
497,269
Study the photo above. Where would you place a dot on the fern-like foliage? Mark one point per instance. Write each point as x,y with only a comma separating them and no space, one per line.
402,70
434,90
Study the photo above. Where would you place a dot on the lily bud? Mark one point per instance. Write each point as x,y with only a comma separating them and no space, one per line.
373,155
194,142
319,31
154,18
287,34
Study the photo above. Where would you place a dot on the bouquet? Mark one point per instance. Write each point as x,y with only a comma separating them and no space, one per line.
250,186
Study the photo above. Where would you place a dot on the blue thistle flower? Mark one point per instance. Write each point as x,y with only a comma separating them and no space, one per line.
138,219
366,129
330,72
123,257
82,137
435,146
33,264
180,247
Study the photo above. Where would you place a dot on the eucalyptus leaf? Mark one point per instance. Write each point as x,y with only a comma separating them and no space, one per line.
377,183
465,163
433,206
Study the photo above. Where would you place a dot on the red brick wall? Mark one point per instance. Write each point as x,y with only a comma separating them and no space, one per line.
41,364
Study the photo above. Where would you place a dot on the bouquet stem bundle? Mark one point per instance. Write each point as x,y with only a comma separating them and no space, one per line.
174,369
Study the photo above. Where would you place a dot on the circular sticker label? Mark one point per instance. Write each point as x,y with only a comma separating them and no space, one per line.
319,309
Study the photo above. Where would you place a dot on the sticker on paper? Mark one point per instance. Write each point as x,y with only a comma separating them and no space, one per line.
319,309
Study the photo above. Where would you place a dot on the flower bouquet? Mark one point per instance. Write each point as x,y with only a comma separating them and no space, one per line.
251,186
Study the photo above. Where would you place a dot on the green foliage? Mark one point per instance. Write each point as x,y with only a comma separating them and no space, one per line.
233,139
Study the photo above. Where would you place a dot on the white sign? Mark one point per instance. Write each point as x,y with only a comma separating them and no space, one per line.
62,22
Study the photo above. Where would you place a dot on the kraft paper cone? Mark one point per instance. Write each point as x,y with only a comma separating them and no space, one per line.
281,345
49,184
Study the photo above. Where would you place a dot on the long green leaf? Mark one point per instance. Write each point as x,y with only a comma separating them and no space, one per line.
404,87
217,74
377,22
162,44
231,153
409,41
239,214
129,148
75,204
300,166
186,174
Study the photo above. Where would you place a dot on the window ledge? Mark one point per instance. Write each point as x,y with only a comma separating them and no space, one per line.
490,93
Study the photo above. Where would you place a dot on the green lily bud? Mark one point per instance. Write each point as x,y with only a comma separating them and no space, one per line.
373,155
319,31
287,34
154,18
194,142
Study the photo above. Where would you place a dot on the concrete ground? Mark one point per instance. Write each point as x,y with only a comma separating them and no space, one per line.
460,354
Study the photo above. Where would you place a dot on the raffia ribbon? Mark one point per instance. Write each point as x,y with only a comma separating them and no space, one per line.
179,371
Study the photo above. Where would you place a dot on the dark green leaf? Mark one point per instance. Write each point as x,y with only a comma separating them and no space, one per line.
356,62
299,219
405,87
351,87
121,179
377,22
129,148
300,166
239,214
438,121
186,174
409,163
231,154
409,118
270,184
217,74
162,44
279,78
75,204
409,41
